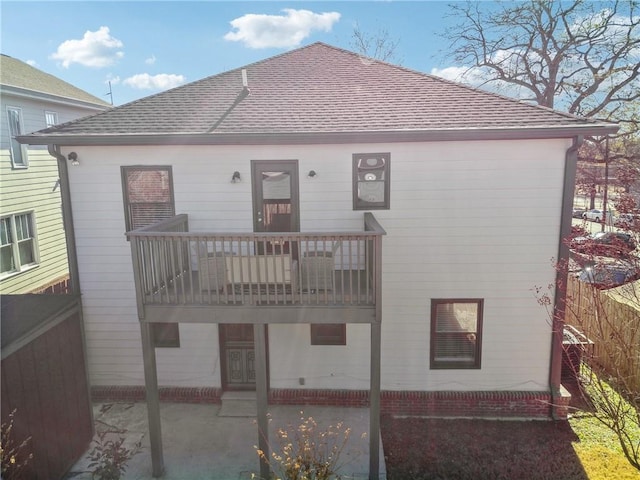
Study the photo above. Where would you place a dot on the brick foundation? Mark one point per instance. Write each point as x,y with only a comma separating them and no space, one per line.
136,393
532,405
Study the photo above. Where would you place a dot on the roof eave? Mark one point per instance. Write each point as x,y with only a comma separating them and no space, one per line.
295,138
53,98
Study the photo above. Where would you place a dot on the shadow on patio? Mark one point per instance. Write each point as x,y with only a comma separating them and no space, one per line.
199,444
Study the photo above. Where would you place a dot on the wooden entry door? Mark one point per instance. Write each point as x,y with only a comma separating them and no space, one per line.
237,356
275,198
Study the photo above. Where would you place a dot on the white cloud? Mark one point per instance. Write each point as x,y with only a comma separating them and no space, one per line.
162,81
115,80
479,78
33,63
151,60
95,49
279,31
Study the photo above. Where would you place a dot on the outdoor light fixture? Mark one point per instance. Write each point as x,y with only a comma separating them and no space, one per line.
312,174
235,177
73,156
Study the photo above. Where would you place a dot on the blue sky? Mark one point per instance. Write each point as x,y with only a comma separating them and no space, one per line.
147,46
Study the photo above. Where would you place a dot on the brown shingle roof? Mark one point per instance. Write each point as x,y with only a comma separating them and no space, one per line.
15,73
315,90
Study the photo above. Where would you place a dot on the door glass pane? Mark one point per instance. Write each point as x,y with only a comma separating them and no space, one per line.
276,197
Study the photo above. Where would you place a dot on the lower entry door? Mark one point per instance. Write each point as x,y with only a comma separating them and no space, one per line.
237,356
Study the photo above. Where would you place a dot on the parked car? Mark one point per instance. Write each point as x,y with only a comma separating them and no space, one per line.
578,212
609,275
594,215
607,244
627,221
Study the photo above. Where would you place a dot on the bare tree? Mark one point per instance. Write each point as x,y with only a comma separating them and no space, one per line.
378,45
578,56
581,57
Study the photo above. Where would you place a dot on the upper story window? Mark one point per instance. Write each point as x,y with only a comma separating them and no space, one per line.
148,195
15,129
51,118
371,181
17,243
456,333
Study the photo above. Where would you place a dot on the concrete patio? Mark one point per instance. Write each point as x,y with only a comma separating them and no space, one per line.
201,444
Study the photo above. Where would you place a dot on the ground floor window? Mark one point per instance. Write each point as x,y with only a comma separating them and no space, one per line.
17,243
166,335
328,334
456,333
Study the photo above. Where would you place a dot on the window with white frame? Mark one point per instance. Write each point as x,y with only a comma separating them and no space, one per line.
456,333
17,243
51,118
371,181
18,151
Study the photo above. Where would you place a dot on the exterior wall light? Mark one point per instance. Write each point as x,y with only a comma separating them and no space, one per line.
73,157
235,177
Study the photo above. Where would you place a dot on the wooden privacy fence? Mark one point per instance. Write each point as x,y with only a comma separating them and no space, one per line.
44,381
611,319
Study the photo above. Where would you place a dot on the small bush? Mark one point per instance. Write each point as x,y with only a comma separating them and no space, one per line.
305,452
109,457
14,456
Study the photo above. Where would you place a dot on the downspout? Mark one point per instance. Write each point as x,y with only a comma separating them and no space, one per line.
562,275
74,272
67,217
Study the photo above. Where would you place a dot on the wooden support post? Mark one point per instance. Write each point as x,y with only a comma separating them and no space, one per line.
260,347
376,346
374,404
153,399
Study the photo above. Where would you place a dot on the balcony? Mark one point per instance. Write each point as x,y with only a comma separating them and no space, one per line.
256,277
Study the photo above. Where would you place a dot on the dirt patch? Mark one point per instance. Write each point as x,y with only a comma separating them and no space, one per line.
438,449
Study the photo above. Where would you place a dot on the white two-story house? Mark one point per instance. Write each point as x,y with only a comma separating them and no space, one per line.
324,228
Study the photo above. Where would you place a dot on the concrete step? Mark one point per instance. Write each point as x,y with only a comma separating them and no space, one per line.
238,404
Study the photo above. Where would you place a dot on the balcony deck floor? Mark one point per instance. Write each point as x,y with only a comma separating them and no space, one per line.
349,288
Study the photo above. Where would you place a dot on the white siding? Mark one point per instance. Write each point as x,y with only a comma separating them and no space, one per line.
467,220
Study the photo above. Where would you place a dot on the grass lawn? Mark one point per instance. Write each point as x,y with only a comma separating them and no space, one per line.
580,449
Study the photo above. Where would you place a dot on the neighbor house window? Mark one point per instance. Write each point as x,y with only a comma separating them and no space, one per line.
148,195
371,181
328,334
51,118
456,333
17,243
18,151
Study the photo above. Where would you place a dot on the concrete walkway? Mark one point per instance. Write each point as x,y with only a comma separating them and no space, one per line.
200,444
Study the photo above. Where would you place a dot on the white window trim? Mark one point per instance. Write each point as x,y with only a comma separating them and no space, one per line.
14,245
23,148
54,115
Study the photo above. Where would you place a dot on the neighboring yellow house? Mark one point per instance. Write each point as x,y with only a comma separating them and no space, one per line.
33,254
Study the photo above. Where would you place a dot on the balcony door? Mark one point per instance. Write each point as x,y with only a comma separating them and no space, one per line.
275,200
